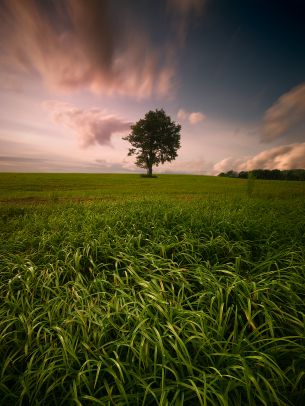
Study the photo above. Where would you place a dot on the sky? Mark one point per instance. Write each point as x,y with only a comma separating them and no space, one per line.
75,74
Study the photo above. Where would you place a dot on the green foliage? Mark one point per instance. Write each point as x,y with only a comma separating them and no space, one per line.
272,174
161,298
154,139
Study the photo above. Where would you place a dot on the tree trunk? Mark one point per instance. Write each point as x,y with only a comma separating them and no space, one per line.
149,170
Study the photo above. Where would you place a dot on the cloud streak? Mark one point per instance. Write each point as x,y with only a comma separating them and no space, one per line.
182,10
56,164
76,44
286,114
92,126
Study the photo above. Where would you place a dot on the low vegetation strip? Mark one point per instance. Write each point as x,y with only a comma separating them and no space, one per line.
153,301
52,187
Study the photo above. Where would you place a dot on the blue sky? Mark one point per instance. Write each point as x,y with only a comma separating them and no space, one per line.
75,74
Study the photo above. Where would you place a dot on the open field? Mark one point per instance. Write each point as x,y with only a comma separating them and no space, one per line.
179,290
115,186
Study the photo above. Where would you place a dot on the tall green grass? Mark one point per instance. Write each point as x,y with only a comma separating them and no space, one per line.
153,301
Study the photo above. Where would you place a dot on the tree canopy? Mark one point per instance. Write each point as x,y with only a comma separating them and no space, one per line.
155,140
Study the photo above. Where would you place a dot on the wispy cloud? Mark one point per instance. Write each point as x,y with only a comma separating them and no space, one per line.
289,156
20,159
193,118
182,10
56,164
93,126
196,117
77,44
194,166
287,113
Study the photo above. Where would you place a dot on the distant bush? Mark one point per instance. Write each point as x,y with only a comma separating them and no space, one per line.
229,174
272,174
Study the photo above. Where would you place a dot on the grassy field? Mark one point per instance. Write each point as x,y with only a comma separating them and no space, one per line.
42,187
179,290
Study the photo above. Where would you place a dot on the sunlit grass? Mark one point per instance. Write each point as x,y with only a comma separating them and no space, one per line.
47,187
153,301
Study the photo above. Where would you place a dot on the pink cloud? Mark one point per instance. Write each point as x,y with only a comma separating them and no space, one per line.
287,113
193,118
196,117
92,126
291,156
226,165
78,44
182,115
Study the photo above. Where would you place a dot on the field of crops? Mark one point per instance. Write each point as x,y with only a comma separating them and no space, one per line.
179,290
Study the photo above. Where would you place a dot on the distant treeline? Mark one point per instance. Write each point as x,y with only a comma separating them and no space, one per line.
274,174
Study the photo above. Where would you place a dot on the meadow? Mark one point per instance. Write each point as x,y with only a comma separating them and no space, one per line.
178,290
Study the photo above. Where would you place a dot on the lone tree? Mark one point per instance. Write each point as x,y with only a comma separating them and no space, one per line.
155,139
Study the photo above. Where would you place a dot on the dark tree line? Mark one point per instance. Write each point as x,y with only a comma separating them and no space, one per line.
272,174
